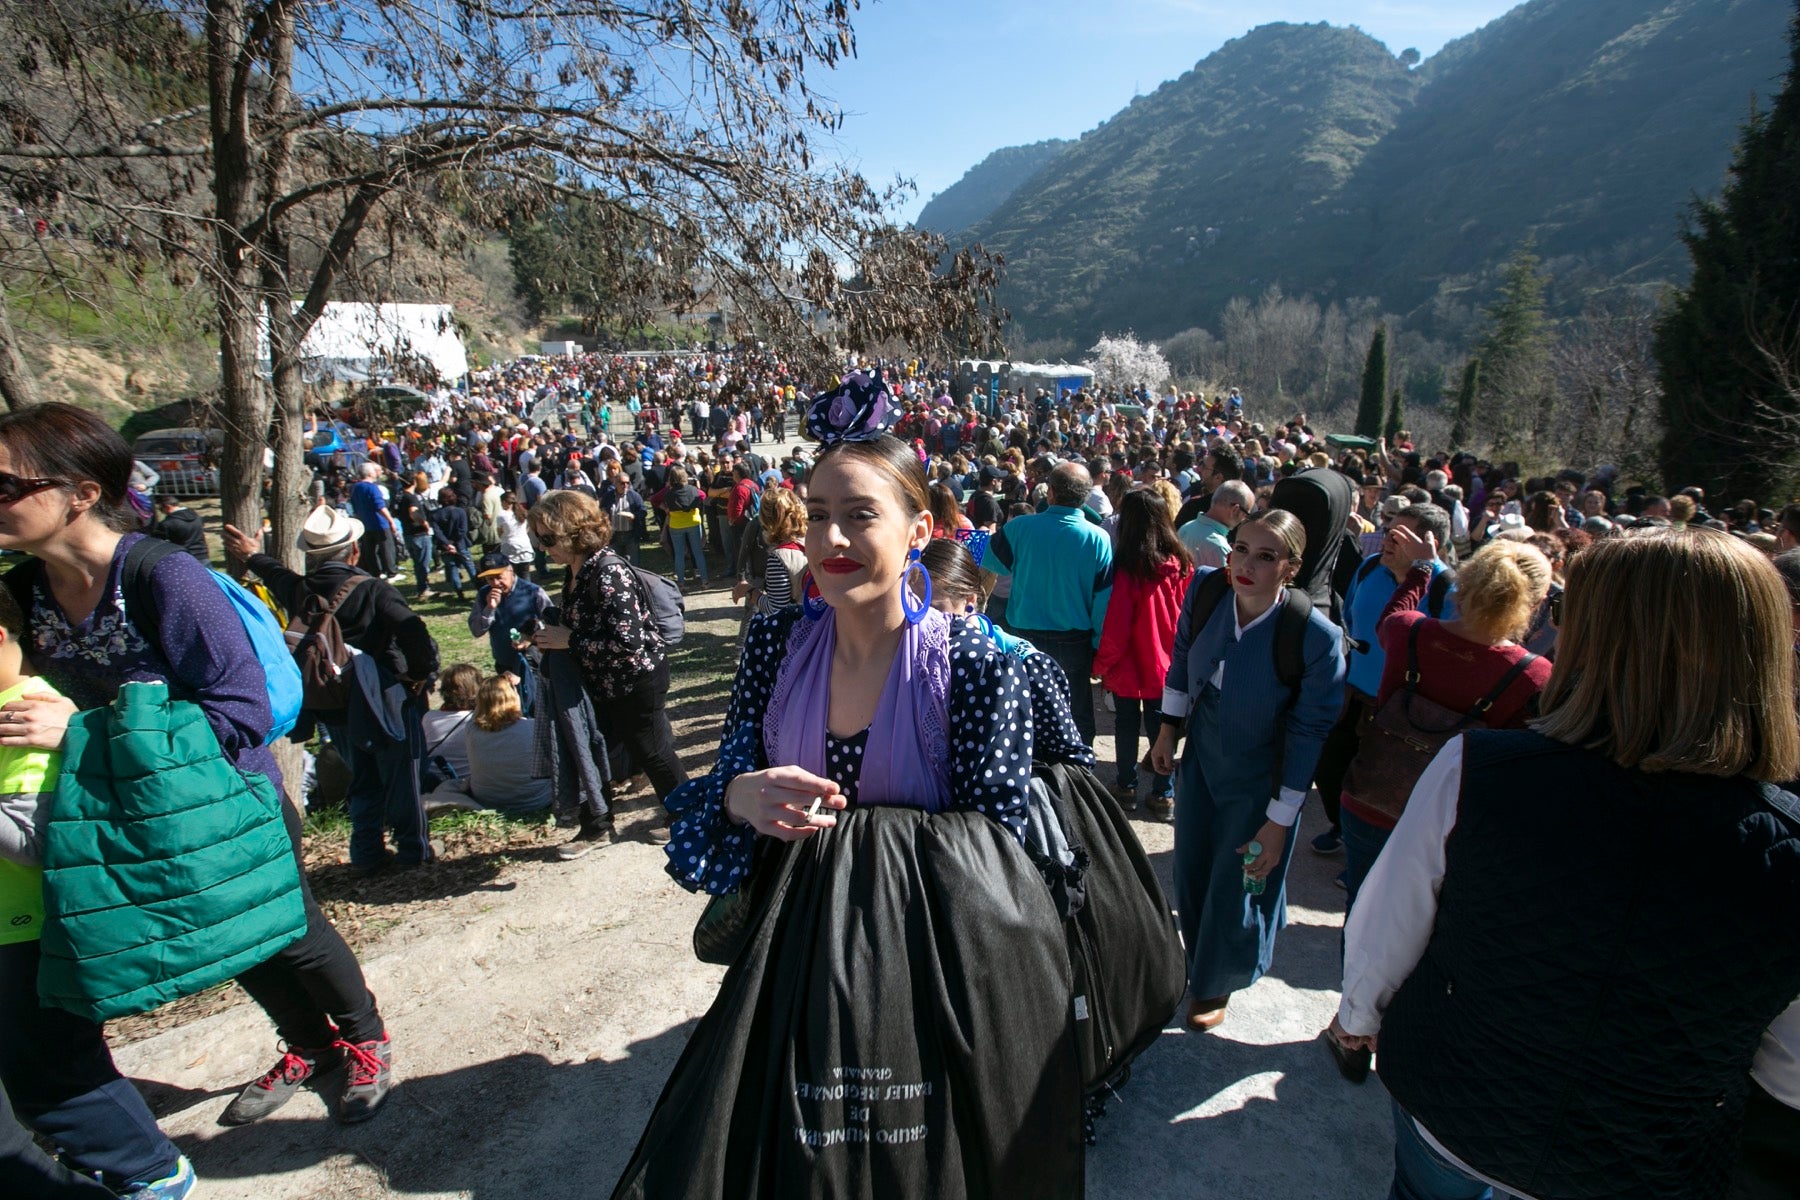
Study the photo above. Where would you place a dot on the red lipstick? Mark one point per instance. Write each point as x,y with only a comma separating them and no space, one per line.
1245,581
840,566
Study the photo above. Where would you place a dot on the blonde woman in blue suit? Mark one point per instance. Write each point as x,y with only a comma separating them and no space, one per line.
1252,744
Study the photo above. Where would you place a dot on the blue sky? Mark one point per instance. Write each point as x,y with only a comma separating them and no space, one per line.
938,84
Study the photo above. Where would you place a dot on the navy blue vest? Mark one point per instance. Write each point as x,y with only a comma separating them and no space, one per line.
1609,947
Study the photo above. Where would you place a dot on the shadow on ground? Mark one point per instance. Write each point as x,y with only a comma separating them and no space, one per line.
515,1128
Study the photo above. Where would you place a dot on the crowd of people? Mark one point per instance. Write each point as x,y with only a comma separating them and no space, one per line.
1551,722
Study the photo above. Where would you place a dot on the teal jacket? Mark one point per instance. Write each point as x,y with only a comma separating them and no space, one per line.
166,870
1062,571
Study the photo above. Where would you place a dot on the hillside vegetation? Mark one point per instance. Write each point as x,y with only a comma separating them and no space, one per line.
1313,158
986,185
123,322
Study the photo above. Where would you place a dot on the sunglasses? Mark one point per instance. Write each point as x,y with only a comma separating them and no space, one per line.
547,540
14,488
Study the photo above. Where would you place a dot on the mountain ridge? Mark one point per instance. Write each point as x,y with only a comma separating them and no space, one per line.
1311,157
986,185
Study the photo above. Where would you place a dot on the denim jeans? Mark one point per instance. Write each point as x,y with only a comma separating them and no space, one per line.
684,543
384,795
457,569
60,1074
27,1171
1134,716
1362,846
1420,1173
730,533
418,549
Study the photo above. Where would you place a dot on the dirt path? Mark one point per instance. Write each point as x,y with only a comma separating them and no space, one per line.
536,1017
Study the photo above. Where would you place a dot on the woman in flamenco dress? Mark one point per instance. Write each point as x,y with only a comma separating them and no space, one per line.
896,1020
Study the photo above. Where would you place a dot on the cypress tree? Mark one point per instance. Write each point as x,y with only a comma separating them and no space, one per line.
1374,386
1727,412
1396,417
1515,349
1464,426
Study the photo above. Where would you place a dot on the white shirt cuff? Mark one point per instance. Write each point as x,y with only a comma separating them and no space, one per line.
1174,703
1285,809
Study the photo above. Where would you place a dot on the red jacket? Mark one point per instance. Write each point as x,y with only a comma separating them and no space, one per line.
1139,634
737,509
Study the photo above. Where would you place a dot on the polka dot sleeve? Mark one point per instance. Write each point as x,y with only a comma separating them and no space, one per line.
707,850
990,730
1053,722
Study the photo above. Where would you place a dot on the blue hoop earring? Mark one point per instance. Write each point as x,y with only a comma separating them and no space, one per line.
811,602
914,608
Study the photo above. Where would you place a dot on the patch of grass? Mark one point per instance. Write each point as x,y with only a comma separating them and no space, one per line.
464,823
327,823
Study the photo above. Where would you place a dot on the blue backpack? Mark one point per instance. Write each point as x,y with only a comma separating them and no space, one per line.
267,638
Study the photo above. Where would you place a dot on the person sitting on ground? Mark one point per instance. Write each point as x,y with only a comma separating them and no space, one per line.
502,740
447,726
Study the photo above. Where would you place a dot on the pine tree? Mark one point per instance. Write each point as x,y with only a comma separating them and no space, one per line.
1396,417
1515,348
1464,426
1727,350
1374,386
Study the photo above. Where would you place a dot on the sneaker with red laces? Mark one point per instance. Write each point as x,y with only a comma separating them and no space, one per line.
370,1078
291,1072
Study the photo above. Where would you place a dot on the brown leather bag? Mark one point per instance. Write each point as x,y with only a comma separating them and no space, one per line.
1401,737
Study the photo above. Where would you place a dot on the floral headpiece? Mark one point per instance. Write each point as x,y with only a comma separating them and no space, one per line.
860,409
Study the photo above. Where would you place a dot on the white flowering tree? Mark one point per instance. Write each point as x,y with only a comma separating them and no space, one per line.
1124,362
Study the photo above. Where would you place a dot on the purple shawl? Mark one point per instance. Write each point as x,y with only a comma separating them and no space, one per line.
906,761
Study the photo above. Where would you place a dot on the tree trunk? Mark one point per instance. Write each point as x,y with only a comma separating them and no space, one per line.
17,384
288,491
245,408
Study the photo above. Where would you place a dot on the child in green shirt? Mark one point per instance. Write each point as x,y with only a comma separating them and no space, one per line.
55,1065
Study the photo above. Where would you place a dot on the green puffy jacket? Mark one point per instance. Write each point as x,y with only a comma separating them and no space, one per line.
166,870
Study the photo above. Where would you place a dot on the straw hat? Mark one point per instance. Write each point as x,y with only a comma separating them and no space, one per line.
326,531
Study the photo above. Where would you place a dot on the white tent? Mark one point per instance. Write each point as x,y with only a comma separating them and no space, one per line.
354,342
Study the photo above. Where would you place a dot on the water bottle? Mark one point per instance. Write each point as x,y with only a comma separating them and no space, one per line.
1252,885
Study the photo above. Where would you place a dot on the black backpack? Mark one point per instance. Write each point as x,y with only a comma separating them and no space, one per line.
1436,592
1290,624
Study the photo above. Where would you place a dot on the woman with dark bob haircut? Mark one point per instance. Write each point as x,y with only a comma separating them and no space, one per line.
868,805
63,477
1578,934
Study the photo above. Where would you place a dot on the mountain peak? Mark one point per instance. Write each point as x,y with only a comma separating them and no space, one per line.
1311,156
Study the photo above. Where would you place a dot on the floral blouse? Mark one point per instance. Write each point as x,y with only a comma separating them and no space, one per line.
991,749
198,646
614,641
